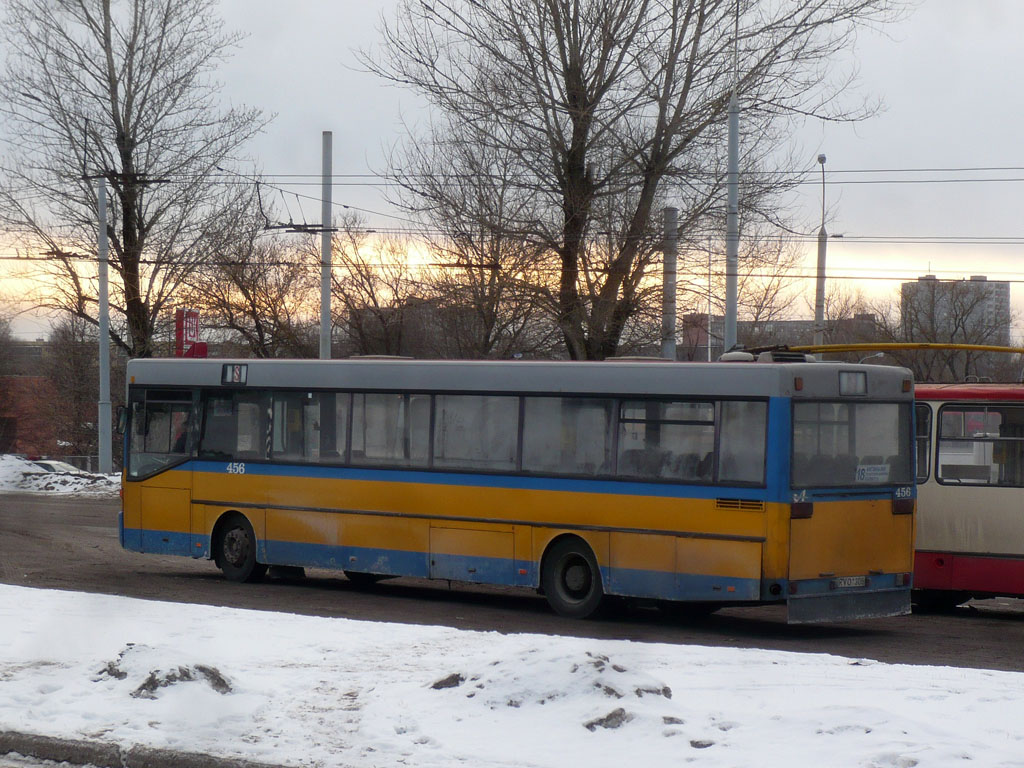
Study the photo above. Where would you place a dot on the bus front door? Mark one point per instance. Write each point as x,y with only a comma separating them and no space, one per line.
166,517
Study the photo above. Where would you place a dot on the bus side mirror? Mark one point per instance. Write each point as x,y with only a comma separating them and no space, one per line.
122,419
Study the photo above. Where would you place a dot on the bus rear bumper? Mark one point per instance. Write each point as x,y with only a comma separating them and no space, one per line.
847,606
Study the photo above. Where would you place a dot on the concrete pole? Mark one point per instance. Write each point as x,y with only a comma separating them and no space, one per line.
732,228
708,334
105,426
668,285
325,249
819,288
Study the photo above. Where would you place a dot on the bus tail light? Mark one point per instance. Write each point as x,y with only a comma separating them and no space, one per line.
903,506
801,510
903,579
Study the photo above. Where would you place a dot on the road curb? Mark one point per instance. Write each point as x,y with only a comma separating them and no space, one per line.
103,754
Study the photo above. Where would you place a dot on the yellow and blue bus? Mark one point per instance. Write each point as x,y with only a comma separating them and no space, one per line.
713,484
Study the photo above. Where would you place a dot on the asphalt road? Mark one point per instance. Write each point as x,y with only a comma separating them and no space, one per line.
71,543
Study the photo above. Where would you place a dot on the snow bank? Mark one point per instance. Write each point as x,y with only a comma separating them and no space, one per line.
18,474
309,691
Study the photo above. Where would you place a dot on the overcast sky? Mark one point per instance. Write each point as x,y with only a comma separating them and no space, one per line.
948,76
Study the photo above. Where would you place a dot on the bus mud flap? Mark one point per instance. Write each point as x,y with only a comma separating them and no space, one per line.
832,607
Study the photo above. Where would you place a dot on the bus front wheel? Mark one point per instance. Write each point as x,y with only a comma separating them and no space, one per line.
571,579
236,551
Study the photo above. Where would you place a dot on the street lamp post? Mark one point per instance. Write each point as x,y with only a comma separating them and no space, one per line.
106,459
326,184
819,290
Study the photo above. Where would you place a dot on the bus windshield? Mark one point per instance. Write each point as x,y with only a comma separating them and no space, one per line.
158,435
842,443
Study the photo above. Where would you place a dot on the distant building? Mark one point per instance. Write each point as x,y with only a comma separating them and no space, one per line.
26,404
699,337
26,357
975,311
409,329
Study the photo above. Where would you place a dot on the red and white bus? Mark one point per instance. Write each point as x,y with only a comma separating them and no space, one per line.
970,476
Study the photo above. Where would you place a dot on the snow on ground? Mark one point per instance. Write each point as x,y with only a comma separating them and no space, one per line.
307,691
21,475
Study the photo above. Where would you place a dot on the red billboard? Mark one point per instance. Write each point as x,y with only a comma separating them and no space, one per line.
186,334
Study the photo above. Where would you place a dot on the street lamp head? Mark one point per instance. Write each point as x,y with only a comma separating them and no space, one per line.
821,159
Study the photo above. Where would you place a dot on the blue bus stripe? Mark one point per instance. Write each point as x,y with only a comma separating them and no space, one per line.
632,582
488,570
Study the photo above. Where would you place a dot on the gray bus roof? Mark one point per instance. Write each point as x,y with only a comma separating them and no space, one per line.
820,379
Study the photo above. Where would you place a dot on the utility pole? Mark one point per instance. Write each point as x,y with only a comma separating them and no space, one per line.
668,285
819,288
325,249
105,428
732,226
732,214
710,288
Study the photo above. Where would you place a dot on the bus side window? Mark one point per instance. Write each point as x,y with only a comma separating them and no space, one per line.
1010,454
235,427
390,429
657,437
568,435
332,429
923,441
333,408
289,425
742,441
476,432
253,426
218,429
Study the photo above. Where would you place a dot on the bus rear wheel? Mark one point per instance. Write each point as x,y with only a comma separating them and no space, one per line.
236,551
571,579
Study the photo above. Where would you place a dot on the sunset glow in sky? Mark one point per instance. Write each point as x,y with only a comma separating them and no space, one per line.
921,188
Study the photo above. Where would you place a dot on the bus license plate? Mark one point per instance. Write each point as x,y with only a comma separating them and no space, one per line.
851,581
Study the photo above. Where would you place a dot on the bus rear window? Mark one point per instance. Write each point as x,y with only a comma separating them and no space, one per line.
851,444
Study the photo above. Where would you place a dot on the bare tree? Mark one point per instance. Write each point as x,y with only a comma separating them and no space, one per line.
766,292
607,106
490,303
258,289
384,307
122,89
71,366
491,281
